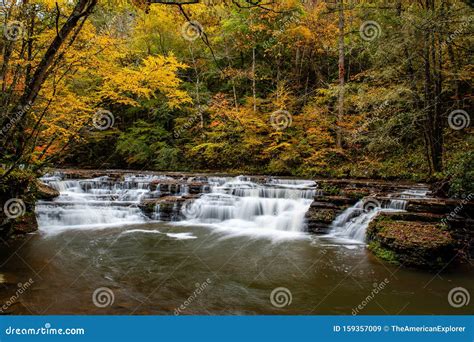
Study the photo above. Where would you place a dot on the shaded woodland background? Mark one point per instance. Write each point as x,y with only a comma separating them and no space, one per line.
362,89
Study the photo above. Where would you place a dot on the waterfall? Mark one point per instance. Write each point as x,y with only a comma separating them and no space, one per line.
241,204
352,223
94,203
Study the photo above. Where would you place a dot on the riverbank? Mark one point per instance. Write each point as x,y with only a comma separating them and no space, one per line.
344,206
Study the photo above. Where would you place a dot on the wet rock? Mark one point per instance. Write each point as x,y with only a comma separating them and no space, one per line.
441,206
45,192
319,220
411,243
166,208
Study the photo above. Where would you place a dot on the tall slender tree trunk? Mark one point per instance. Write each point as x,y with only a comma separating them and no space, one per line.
340,106
254,87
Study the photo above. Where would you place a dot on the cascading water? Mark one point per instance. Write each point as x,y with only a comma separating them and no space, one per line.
234,203
242,205
93,203
353,222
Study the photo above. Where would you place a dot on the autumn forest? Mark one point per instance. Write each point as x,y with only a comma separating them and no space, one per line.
365,89
244,157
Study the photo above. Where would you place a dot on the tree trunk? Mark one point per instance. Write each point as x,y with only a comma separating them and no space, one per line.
340,107
254,87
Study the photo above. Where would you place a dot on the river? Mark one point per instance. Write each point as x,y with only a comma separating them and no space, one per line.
241,248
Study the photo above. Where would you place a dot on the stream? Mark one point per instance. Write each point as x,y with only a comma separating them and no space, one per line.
238,248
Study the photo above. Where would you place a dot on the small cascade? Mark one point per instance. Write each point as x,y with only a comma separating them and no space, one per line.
353,222
397,204
97,202
239,203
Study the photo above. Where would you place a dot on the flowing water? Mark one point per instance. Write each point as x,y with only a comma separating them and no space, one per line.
225,253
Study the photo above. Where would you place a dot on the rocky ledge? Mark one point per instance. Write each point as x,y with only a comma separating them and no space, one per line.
419,244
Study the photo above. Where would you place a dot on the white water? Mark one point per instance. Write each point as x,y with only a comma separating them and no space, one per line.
241,206
233,203
353,222
93,203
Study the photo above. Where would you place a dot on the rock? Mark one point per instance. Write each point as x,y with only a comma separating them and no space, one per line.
411,243
19,227
441,206
45,192
337,200
166,208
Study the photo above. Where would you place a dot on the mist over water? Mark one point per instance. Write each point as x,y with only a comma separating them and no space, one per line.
242,237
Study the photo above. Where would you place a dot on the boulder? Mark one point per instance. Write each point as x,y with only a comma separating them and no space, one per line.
45,192
411,243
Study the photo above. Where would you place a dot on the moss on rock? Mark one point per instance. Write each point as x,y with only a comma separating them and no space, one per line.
411,243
